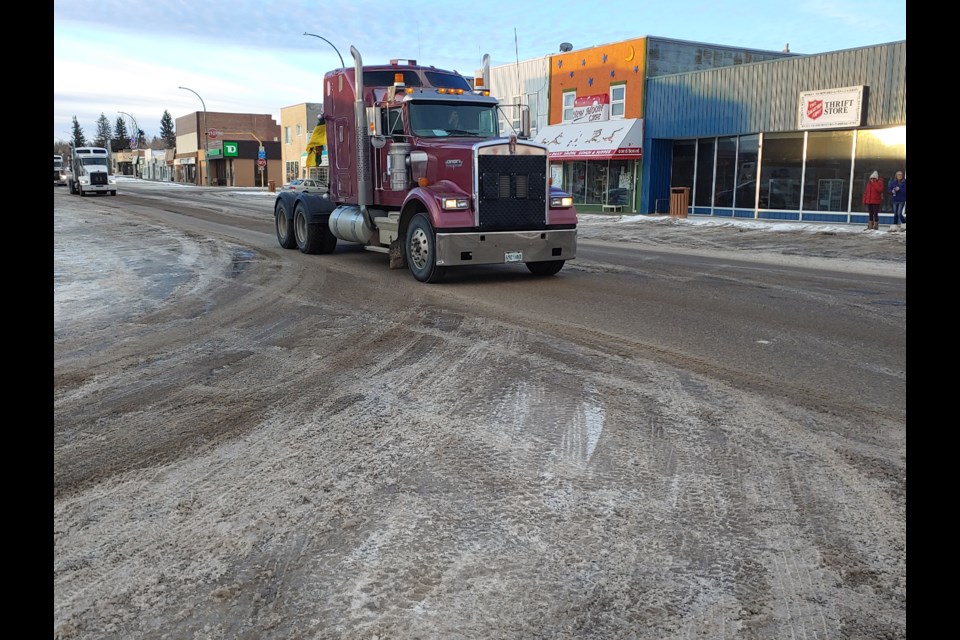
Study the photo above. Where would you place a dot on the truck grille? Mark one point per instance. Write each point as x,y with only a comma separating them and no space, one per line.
513,192
98,178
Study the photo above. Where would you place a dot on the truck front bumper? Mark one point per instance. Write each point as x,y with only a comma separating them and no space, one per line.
500,247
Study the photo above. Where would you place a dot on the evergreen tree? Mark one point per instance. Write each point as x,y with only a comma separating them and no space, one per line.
77,138
103,132
120,137
167,131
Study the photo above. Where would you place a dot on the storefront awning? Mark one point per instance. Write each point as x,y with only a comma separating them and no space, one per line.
620,139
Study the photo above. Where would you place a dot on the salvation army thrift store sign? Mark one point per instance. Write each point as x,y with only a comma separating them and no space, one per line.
831,108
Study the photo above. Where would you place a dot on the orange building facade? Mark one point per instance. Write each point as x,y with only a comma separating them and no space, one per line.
594,71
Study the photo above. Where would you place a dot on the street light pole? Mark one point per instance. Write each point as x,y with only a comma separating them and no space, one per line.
136,133
329,43
136,128
206,146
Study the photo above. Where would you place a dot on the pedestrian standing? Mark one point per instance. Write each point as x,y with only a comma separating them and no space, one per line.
898,196
873,197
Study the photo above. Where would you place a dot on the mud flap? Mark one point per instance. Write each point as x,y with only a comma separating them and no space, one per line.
396,256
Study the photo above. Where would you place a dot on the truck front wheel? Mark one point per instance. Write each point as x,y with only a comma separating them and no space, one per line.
284,225
422,250
312,237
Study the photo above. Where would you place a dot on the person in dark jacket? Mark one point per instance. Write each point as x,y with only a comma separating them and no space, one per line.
873,197
898,196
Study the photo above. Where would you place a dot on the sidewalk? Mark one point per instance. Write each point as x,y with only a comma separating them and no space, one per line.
780,226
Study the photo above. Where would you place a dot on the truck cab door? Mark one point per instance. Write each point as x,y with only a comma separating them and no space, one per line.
344,155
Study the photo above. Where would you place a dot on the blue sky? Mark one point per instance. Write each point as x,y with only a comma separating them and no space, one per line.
249,56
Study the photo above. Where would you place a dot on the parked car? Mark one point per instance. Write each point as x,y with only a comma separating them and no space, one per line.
302,185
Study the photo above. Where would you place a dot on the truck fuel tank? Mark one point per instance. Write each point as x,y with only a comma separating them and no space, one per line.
346,223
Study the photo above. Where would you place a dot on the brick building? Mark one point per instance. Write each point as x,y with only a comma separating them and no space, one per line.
232,149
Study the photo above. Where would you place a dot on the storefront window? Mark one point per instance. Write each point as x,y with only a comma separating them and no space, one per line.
575,179
600,182
745,197
826,182
596,182
780,173
622,183
881,150
726,170
684,160
703,190
723,171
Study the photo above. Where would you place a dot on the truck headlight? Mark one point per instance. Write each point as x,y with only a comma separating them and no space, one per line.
561,202
84,180
455,203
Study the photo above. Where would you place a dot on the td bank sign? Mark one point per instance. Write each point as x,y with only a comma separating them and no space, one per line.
224,150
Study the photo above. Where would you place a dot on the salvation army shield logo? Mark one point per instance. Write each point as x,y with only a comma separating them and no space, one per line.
814,109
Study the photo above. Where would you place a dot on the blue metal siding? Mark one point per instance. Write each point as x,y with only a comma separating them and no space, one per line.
764,96
655,176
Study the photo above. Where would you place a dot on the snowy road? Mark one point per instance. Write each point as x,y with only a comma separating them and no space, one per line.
693,436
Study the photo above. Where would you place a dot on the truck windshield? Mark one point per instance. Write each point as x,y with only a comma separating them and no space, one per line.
94,162
451,119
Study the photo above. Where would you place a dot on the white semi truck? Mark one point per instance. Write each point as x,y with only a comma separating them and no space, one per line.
58,177
91,171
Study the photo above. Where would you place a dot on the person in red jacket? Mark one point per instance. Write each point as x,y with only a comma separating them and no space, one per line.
873,197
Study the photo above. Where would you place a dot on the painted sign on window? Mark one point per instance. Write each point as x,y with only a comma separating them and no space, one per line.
831,108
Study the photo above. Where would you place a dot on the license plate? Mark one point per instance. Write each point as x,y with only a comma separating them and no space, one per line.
513,256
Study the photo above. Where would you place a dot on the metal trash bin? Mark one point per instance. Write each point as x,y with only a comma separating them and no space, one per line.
679,201
271,186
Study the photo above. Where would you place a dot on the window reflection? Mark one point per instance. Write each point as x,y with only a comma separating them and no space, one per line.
601,182
703,191
881,150
782,163
826,180
596,182
748,149
726,171
575,179
684,156
826,183
622,181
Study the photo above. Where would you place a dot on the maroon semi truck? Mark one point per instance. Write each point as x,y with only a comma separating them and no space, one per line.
419,170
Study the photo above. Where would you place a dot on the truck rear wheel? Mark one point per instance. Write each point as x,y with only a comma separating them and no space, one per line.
422,250
547,268
312,237
284,225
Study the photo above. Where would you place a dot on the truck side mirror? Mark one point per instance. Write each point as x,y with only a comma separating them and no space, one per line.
525,122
